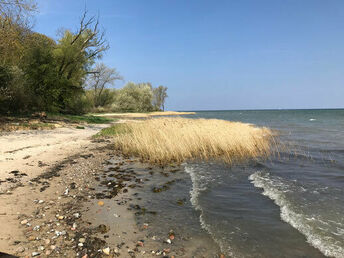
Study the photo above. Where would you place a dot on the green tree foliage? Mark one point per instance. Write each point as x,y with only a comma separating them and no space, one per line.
38,73
135,98
53,73
159,97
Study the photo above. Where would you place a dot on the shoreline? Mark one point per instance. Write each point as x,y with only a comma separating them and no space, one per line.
70,205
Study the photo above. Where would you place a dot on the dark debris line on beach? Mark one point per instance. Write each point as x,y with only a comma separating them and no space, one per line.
96,177
57,227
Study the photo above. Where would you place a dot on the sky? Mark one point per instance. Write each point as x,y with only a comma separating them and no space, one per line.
220,54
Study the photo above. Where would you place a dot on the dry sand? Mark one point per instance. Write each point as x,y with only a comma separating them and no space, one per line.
51,202
24,156
32,151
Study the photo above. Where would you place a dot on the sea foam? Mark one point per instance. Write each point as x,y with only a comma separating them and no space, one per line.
313,227
199,182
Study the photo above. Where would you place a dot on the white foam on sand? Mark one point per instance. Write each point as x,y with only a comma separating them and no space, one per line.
310,226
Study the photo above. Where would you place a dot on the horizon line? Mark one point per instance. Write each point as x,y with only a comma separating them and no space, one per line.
262,109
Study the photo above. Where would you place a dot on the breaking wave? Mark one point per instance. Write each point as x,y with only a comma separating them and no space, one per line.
199,184
321,232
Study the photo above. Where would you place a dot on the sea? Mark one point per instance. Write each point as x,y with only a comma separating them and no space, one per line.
289,205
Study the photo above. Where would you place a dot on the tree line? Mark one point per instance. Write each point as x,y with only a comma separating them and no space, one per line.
38,73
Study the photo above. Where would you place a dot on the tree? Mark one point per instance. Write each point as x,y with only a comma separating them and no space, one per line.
41,73
75,54
159,97
135,98
15,26
99,78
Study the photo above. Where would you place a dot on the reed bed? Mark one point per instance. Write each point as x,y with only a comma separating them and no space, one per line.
174,140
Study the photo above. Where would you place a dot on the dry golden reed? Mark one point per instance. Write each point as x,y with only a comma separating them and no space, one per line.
167,140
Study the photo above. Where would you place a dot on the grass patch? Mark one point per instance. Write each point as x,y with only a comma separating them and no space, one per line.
111,131
37,126
167,140
89,119
47,121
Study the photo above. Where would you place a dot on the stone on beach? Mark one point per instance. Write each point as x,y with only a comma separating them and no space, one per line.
20,249
106,251
23,222
76,215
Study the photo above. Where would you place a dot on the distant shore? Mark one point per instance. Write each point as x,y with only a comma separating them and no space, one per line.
144,115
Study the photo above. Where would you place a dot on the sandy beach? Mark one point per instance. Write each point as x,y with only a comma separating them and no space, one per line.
64,193
46,176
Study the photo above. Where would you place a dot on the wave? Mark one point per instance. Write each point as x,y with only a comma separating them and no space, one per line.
199,184
318,231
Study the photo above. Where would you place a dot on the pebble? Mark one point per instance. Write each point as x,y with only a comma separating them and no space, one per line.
76,215
81,244
40,201
35,254
48,252
41,248
60,217
53,247
82,240
20,249
47,241
168,241
74,226
106,251
23,222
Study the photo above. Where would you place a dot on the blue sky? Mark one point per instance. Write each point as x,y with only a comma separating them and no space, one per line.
220,54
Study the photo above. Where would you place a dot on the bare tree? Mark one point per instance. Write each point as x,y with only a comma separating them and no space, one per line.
17,12
98,80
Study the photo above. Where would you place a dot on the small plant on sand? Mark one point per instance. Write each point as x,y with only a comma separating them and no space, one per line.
167,140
